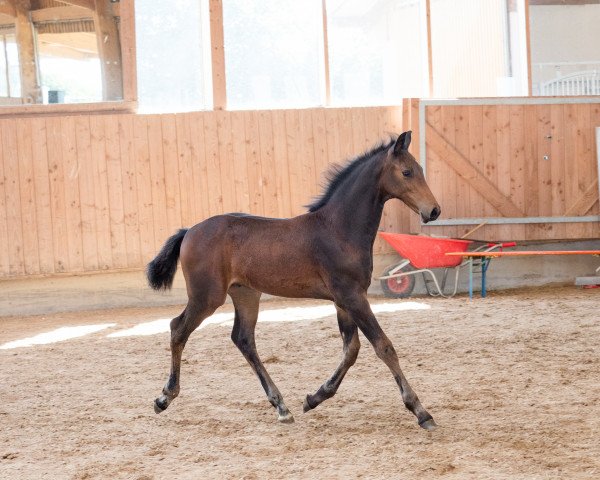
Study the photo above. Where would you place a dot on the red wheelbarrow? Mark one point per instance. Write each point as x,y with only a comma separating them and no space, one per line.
421,254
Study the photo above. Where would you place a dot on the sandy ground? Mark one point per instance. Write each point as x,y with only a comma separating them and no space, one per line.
513,381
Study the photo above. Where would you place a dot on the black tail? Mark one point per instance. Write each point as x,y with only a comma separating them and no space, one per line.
161,270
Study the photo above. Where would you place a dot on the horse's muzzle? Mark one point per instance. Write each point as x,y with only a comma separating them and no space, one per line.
433,215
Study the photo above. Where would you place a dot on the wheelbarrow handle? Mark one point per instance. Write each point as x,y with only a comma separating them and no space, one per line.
502,245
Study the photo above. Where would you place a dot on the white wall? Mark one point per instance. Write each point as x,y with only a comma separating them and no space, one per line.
564,33
469,46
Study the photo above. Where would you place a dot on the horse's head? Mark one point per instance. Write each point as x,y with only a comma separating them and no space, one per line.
402,178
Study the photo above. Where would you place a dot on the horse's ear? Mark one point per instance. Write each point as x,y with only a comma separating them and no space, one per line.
402,143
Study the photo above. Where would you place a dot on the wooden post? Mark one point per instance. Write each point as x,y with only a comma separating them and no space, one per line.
127,37
109,49
415,148
429,47
326,56
218,55
7,70
528,45
30,87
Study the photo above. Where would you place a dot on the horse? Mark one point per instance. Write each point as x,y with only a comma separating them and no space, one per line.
326,253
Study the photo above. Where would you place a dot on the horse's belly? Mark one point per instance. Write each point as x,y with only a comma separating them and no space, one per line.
296,290
292,281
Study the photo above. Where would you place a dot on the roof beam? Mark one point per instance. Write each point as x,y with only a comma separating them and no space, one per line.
60,13
89,4
7,8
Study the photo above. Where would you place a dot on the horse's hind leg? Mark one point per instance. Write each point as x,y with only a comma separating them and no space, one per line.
245,301
349,333
181,329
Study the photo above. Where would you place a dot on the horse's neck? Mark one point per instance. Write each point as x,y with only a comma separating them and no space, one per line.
356,212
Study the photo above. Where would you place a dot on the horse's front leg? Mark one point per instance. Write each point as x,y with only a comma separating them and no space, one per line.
359,310
349,334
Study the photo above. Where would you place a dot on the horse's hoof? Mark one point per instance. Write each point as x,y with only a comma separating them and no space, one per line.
306,406
429,425
159,406
287,418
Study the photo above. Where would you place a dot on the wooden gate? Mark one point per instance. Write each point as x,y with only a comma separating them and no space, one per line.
530,170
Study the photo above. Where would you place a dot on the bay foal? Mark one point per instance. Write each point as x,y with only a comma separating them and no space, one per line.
326,253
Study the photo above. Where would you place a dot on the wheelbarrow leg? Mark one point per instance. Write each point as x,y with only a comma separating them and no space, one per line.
484,266
471,278
445,276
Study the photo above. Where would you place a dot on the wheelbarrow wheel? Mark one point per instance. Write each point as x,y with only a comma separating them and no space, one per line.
399,287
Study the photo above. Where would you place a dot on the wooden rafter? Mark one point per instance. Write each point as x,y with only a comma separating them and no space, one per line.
89,4
60,13
466,170
7,8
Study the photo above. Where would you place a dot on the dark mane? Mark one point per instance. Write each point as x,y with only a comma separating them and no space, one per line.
338,173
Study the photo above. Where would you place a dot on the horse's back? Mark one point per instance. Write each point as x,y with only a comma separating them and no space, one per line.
236,227
234,236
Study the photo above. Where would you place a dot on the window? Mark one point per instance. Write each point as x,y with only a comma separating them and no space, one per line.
273,53
62,54
565,58
173,55
58,52
10,80
476,50
377,51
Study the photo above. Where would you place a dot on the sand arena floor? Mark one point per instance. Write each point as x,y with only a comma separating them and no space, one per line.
513,381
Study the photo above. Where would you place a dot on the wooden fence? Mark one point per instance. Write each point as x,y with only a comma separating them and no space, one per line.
91,192
103,192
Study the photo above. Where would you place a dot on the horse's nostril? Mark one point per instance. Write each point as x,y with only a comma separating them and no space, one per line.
435,213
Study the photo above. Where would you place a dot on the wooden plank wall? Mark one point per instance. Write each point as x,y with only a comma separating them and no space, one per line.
88,193
85,193
539,159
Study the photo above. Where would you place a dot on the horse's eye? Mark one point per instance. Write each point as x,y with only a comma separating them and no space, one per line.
407,173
